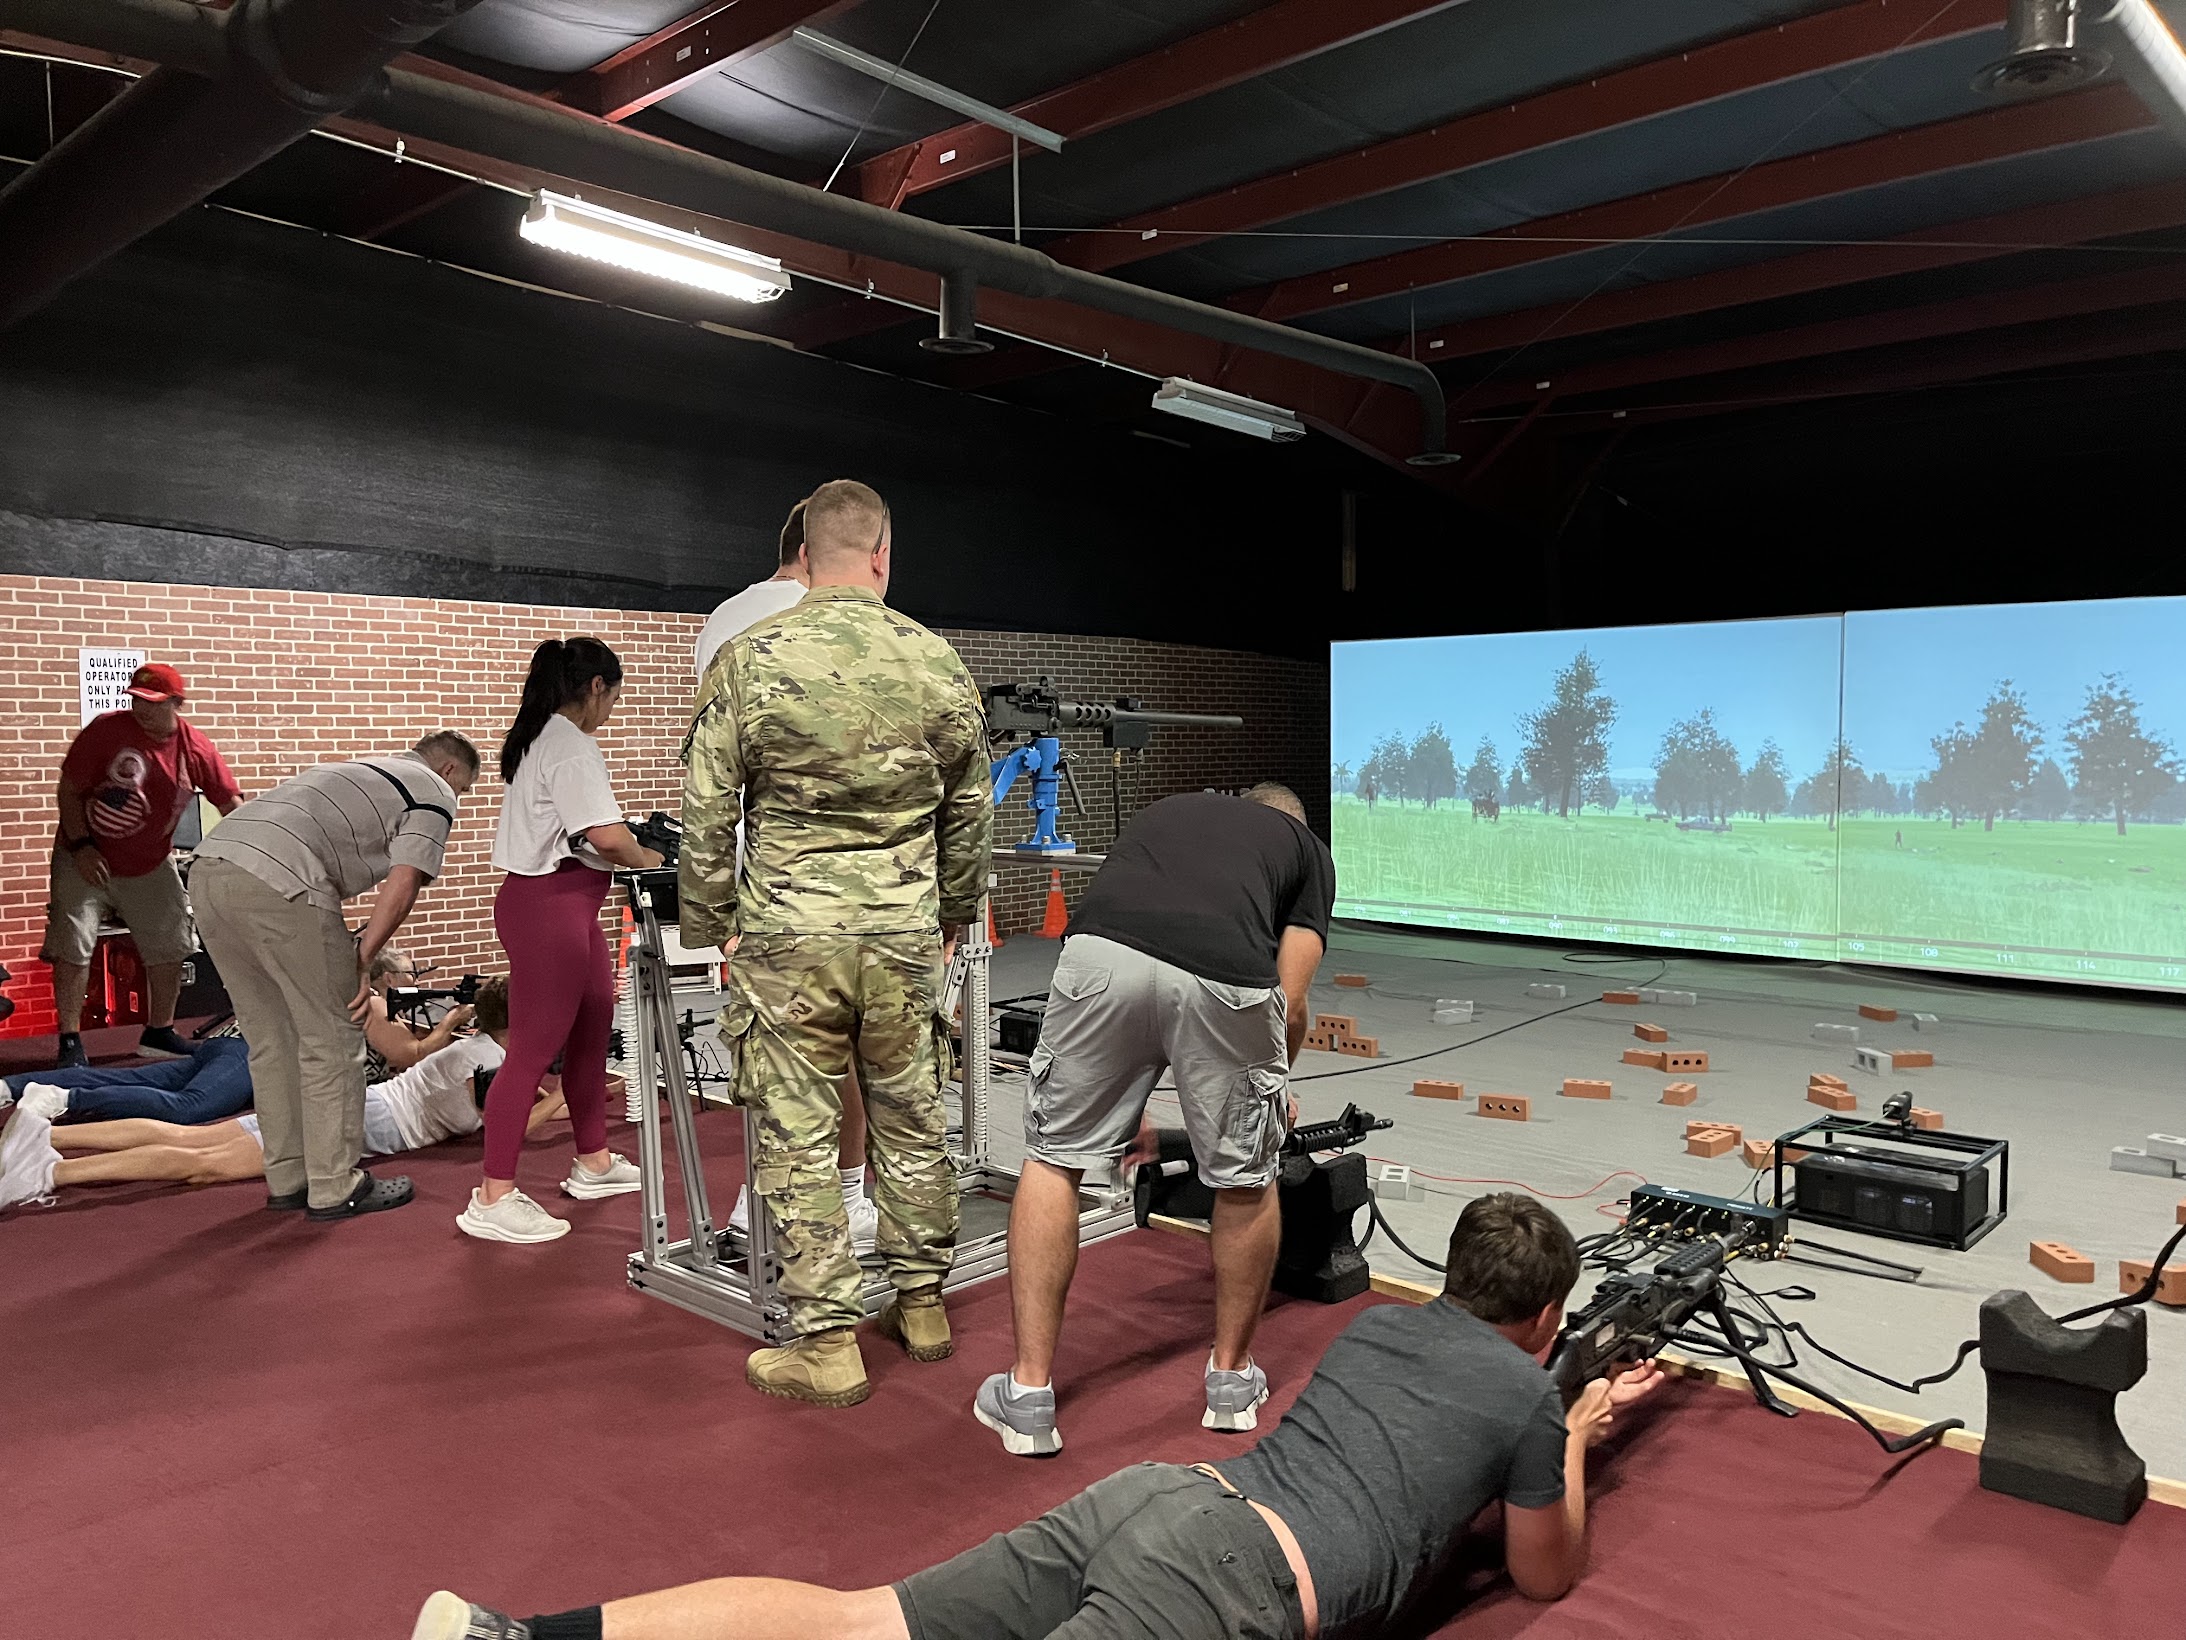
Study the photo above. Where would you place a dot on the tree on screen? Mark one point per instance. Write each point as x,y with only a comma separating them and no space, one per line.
1697,769
1992,766
1339,777
1948,786
2118,768
1822,792
1516,793
1389,765
2048,795
1432,766
1602,792
1767,782
1567,740
1484,778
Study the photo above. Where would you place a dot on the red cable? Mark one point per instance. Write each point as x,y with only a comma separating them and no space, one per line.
1520,1184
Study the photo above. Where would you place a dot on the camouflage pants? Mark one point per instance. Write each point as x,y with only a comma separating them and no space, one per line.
815,1000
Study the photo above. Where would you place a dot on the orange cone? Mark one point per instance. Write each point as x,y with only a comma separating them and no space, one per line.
1057,918
993,938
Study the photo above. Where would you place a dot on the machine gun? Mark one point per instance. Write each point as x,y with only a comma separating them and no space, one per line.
1038,712
1341,1133
410,1001
662,833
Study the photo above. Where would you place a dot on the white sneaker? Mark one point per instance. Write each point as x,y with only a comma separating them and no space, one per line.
620,1179
515,1217
27,1156
864,1225
46,1100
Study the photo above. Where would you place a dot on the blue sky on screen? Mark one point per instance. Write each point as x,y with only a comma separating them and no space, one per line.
1763,678
1912,673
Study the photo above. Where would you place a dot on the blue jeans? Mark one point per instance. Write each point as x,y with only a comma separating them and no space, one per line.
209,1086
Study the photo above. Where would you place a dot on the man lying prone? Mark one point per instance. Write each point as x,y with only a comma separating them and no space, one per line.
1335,1524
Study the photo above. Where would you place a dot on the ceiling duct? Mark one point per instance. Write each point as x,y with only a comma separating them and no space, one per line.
566,144
2044,52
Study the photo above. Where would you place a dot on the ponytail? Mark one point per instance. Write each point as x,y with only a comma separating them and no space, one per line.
562,670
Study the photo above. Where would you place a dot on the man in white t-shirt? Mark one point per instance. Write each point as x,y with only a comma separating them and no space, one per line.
734,615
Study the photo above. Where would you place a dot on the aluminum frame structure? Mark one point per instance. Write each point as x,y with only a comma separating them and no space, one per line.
738,1286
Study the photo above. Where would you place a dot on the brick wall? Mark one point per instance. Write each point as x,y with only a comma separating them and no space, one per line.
283,679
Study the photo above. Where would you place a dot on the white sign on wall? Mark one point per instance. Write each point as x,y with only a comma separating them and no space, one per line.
103,676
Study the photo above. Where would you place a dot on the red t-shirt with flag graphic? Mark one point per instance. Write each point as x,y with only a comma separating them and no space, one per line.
135,789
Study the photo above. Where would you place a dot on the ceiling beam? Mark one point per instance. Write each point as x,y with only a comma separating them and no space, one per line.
702,42
1873,162
1744,63
1258,43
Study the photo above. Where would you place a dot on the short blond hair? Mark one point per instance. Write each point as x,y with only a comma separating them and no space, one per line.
844,519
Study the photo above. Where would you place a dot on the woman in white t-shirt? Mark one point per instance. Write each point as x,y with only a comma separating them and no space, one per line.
561,834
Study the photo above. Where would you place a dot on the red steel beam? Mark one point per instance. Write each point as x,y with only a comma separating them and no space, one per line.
1978,239
1258,43
1744,63
1897,156
702,42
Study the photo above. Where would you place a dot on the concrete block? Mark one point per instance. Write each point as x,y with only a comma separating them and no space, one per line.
1928,1121
1869,1011
1394,1181
1824,1079
1702,1124
1667,998
1926,1022
1713,1142
1448,1012
1579,1087
1846,1034
2165,1144
1359,1047
1690,1060
1680,1093
1839,1099
1324,1041
2133,1159
1340,1024
1650,1033
1353,982
1629,998
2054,1258
1649,1057
1758,1153
1507,1107
1872,1060
1431,1088
1911,1059
2182,1212
2170,1290
1546,992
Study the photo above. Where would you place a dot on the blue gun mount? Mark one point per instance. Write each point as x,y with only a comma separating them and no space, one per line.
1042,758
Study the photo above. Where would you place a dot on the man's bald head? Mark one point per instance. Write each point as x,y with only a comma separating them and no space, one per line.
845,524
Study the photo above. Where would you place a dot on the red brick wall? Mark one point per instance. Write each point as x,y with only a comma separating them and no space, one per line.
283,679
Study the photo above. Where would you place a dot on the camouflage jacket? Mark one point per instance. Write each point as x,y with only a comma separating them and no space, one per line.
850,742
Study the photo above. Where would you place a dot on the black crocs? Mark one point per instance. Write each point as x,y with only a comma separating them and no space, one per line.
371,1196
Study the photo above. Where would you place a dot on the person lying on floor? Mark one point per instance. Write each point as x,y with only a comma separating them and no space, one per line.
212,1083
1417,1419
432,1101
390,1044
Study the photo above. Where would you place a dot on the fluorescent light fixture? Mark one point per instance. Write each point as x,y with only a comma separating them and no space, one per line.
941,96
564,224
1232,410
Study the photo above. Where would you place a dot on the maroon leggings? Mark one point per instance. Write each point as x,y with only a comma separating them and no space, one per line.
561,1001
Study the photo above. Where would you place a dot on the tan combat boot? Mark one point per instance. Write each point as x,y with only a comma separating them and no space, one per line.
824,1368
918,1321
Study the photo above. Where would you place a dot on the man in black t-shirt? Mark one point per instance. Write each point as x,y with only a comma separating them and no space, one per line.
1332,1528
1192,951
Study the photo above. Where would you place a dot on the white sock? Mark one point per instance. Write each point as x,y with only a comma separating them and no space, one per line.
1024,1389
853,1184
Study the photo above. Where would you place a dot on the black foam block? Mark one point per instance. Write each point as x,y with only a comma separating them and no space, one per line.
1319,1260
2053,1432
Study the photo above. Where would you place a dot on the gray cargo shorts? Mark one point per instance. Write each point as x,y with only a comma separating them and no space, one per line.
1116,1019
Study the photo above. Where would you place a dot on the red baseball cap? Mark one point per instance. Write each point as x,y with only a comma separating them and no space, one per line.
157,682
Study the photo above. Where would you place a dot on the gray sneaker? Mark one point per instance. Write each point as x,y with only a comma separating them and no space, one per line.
1025,1419
450,1617
1233,1398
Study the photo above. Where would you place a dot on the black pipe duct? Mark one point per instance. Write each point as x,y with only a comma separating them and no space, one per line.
279,67
564,144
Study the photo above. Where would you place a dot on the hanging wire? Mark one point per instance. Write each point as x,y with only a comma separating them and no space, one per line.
887,85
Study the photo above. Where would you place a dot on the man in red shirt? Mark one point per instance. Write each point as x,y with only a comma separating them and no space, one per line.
129,777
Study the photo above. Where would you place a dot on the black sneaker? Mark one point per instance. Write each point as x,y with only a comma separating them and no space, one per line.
162,1042
370,1196
288,1204
71,1057
450,1617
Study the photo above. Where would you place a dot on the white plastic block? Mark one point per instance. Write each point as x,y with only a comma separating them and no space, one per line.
1546,992
1448,1012
1837,1033
2133,1159
1677,999
1393,1181
2167,1145
1925,1022
1870,1059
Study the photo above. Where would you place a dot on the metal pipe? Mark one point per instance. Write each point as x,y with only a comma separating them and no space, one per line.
178,135
2149,59
566,144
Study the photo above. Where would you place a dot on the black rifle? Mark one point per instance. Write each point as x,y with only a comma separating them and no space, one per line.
1340,1134
662,833
405,1000
1037,708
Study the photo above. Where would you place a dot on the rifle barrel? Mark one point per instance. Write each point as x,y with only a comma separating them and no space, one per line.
1078,714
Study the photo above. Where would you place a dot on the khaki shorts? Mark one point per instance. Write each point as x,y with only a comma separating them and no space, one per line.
153,906
1115,1020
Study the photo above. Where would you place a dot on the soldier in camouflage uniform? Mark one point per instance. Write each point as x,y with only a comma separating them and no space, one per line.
851,742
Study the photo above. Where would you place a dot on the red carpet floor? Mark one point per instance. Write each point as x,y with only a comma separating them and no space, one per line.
222,1423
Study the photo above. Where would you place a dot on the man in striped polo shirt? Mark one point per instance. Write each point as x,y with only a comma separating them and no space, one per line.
268,887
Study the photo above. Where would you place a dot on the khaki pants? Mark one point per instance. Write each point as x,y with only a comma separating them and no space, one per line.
291,969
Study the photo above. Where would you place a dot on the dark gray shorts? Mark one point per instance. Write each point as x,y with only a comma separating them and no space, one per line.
1116,1019
1154,1552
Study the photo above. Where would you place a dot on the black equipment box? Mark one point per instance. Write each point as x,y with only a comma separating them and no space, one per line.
1019,1022
1692,1213
1906,1183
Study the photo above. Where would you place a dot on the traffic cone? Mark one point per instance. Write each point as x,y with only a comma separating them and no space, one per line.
1057,918
993,939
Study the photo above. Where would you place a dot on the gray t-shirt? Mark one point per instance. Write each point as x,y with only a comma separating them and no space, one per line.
1419,1417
